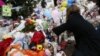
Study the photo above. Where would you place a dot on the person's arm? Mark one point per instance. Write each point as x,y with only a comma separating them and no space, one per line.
69,25
58,30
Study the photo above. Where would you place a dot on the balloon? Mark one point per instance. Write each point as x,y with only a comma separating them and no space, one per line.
70,2
64,4
47,13
62,8
56,16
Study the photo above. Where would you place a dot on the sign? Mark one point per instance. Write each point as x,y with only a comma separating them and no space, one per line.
6,10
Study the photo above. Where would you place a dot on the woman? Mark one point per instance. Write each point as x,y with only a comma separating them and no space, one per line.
87,38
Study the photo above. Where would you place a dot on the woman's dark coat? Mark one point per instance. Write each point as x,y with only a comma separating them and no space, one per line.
86,37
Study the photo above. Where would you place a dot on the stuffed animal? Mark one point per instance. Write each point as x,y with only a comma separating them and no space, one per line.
4,45
38,37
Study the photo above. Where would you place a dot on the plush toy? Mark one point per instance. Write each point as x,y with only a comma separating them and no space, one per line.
60,53
56,16
34,53
38,37
39,47
4,45
30,53
41,53
6,36
47,51
14,50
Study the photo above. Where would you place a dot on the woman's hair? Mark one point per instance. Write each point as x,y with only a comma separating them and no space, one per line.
73,9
